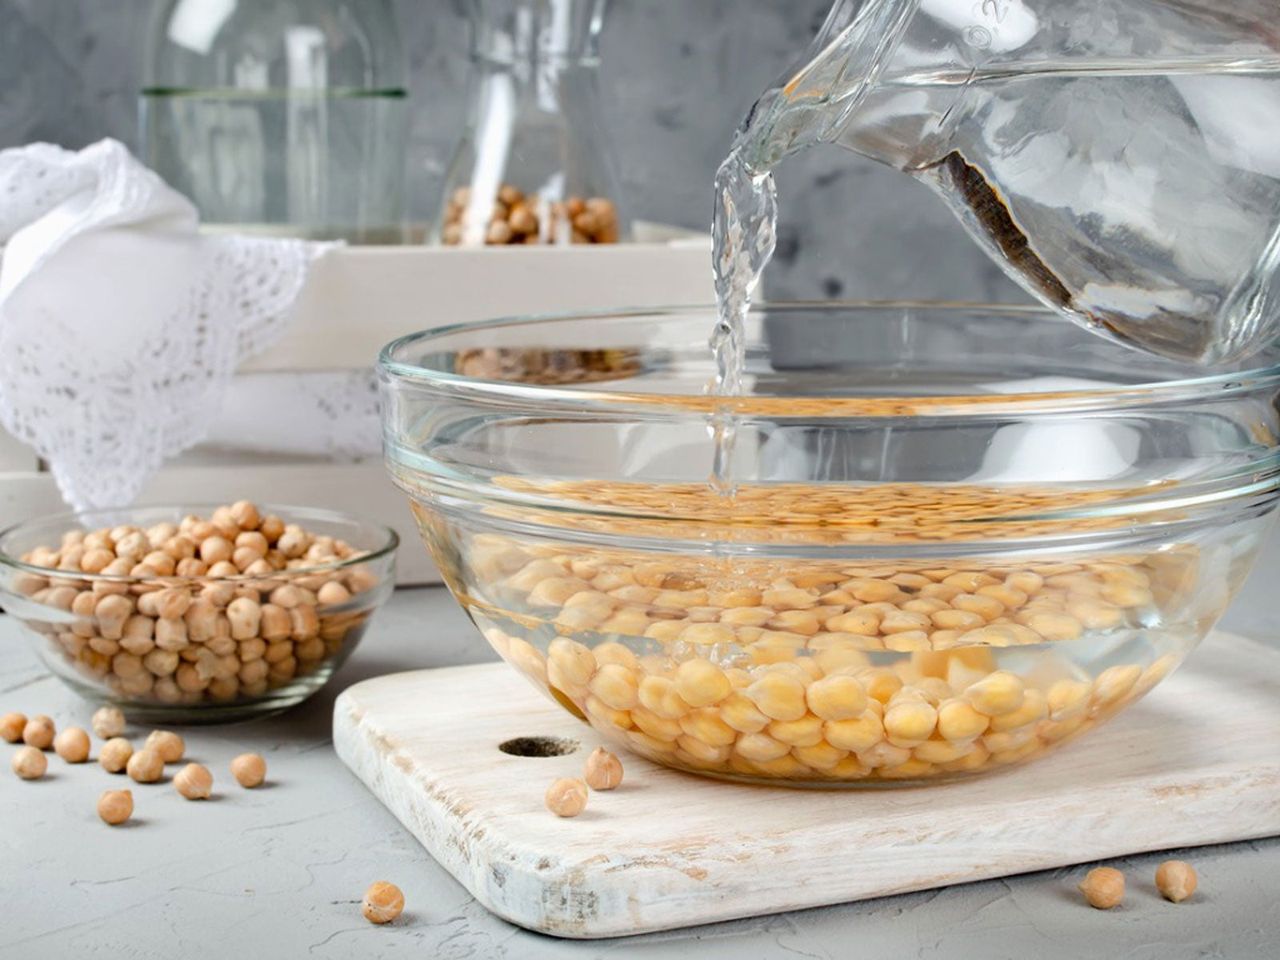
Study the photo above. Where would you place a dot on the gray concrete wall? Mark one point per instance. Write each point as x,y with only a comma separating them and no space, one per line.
678,77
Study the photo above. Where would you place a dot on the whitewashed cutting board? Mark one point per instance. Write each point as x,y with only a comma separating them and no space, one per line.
1197,762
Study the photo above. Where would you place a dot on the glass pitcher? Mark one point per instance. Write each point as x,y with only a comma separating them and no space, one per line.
1118,158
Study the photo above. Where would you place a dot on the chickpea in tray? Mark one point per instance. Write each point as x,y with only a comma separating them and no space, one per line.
191,616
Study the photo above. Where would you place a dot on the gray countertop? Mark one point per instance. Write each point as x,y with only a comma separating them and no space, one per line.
280,871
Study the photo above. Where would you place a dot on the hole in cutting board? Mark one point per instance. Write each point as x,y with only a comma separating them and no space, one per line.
539,746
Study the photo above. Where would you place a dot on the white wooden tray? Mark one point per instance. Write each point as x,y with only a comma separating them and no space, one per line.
1197,762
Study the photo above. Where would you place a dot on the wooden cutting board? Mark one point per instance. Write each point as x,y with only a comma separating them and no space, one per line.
1196,762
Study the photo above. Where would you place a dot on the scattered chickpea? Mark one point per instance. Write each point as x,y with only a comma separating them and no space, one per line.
1176,880
11,725
382,902
115,806
29,763
603,770
194,781
114,755
145,766
249,769
108,722
1103,887
167,744
567,797
39,732
72,745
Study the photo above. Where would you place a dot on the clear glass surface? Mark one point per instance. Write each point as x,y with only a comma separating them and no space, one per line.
1110,156
535,164
280,116
81,648
961,535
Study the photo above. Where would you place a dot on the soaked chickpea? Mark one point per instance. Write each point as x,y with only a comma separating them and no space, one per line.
822,671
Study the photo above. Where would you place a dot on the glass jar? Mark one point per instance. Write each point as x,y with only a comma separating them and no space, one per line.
280,116
534,165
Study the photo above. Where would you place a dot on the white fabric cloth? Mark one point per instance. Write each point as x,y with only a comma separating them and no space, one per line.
120,323
327,414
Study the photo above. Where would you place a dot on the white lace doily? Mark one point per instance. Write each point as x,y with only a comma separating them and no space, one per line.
120,324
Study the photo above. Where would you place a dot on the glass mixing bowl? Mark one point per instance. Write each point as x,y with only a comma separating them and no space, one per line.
194,649
947,537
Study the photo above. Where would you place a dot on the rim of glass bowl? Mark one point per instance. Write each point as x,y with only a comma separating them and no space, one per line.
960,406
390,541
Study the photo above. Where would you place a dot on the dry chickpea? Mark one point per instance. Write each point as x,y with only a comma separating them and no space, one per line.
1176,880
245,515
567,797
1103,887
115,806
382,902
72,745
194,781
603,770
167,744
107,722
39,732
11,726
29,763
145,766
249,769
114,755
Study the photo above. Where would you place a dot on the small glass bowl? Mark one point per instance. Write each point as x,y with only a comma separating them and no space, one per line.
961,535
187,655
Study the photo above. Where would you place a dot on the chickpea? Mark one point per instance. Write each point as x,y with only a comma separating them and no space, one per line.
107,722
72,745
271,527
11,726
145,766
567,797
115,806
29,763
603,770
245,515
1103,887
39,732
1176,880
114,755
382,902
194,781
216,549
167,744
249,769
